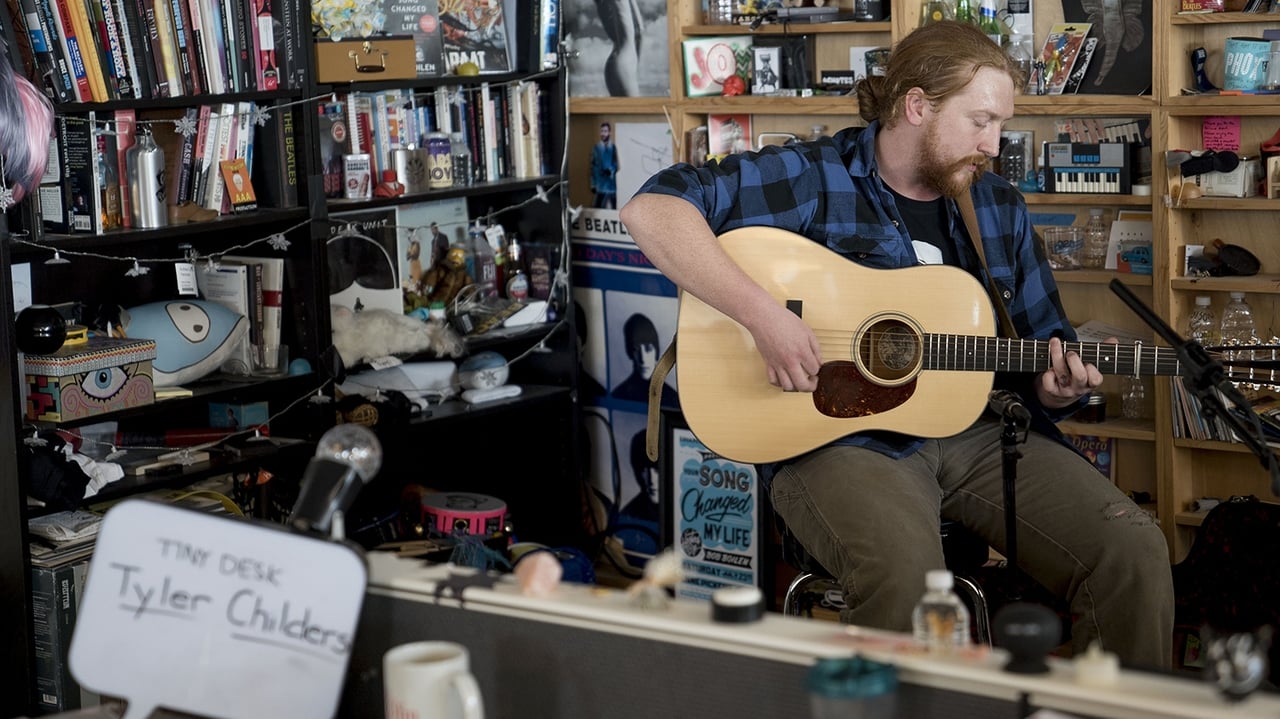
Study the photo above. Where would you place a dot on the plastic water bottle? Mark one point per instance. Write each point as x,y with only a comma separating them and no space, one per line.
461,157
1097,236
1202,323
486,266
940,620
1237,325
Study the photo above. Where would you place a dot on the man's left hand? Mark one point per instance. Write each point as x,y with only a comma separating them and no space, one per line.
1068,378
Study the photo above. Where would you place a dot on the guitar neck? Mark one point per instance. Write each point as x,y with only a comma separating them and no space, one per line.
998,354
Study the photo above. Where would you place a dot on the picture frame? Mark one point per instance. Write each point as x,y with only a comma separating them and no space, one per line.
766,70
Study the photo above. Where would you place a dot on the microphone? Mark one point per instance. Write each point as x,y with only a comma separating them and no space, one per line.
1008,405
347,457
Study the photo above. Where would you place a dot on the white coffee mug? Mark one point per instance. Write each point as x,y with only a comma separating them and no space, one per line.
430,679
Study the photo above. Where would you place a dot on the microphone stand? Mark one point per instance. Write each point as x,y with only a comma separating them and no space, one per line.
1208,381
1009,456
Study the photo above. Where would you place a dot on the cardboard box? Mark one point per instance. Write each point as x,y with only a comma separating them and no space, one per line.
366,59
102,375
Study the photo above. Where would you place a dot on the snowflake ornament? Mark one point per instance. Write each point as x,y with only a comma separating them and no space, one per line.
261,115
541,192
186,126
278,242
7,197
458,99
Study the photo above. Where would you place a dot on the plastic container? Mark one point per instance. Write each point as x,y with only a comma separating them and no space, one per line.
1237,325
1097,236
940,620
460,157
1094,410
486,265
1202,323
840,688
1133,398
1064,246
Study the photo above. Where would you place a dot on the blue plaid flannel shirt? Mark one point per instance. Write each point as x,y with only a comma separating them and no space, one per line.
830,191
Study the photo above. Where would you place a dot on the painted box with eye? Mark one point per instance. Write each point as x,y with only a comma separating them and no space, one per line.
82,380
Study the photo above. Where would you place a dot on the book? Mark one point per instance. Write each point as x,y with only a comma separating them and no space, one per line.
275,170
421,19
168,48
228,284
208,39
269,296
219,147
475,31
242,22
57,47
55,82
239,193
184,47
289,47
118,74
90,54
126,128
334,143
549,33
135,23
55,599
1100,451
264,43
75,136
71,46
186,159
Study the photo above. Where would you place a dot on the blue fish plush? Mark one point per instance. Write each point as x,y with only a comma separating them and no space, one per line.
193,337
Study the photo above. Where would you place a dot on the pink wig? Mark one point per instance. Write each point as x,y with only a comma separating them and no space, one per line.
26,120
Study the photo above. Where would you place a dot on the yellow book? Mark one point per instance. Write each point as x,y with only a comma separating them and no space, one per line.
86,35
168,49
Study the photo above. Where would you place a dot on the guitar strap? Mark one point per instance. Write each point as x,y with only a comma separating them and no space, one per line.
970,215
668,358
665,363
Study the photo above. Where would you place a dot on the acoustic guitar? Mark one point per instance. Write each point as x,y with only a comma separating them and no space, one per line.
906,350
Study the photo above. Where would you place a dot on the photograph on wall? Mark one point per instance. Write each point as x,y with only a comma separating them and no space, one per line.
636,521
639,329
714,518
765,70
363,271
621,48
643,149
588,319
424,231
1121,62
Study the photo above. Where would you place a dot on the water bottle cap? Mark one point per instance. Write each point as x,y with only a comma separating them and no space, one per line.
1237,295
939,579
1095,212
1203,300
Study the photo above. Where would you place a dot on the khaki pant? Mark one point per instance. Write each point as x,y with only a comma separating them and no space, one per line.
873,522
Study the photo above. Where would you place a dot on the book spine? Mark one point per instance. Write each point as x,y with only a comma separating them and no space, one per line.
287,42
54,603
212,78
221,147
275,171
57,49
119,75
144,65
56,85
126,125
55,203
245,55
169,49
71,44
89,52
161,88
216,36
205,141
187,154
127,46
549,33
265,39
229,40
185,49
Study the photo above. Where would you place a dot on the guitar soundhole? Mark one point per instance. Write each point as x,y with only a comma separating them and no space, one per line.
889,351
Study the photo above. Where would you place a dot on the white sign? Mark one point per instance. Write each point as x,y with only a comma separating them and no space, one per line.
215,616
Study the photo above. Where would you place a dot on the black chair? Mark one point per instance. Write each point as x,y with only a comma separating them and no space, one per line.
965,554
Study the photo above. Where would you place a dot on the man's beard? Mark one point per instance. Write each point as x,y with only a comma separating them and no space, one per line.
949,178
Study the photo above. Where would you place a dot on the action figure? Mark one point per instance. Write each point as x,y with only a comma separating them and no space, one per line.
444,281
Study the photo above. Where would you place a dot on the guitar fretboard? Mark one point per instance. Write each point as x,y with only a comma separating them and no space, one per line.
998,354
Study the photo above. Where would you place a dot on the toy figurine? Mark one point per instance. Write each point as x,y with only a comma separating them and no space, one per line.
444,281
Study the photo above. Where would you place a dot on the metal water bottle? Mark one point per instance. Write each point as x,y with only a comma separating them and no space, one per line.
145,165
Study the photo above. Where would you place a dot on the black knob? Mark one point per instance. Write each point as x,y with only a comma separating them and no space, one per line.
1029,632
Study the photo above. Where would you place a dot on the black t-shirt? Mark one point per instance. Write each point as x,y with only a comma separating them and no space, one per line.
927,221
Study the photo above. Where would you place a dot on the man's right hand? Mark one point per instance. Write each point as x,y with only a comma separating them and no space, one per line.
790,350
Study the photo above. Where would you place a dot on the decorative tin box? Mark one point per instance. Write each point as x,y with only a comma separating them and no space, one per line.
365,59
83,380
